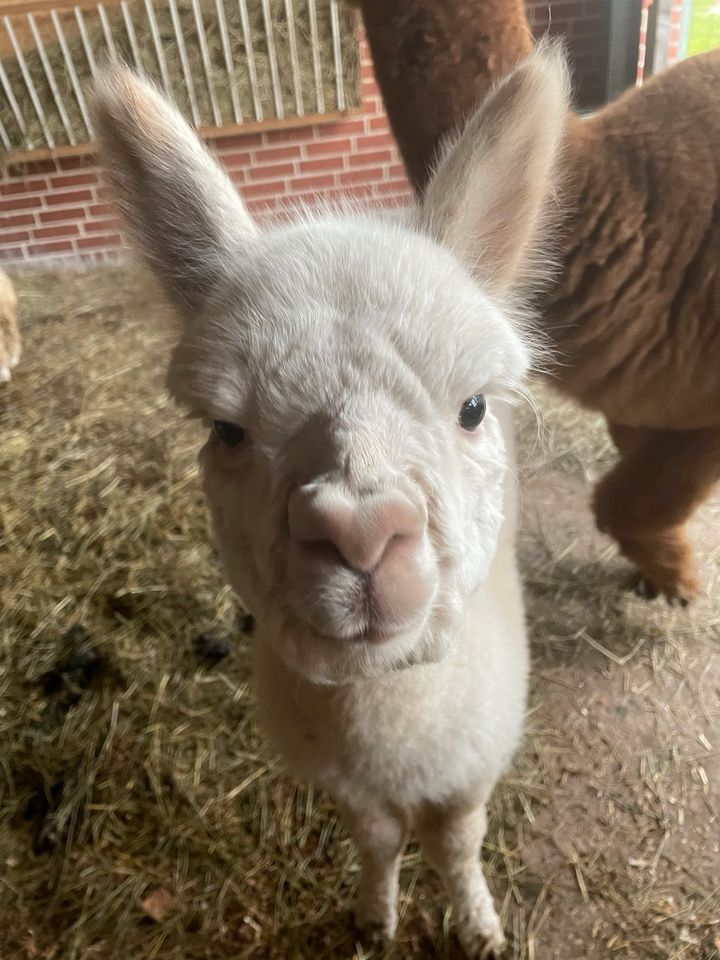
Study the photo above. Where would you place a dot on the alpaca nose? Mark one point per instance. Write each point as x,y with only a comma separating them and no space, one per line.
362,532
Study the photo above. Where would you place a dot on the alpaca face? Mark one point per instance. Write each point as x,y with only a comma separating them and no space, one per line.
356,486
353,367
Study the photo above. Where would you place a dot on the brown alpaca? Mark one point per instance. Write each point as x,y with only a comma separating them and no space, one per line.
634,317
9,333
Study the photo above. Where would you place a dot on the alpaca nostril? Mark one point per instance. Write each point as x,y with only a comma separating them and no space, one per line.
331,528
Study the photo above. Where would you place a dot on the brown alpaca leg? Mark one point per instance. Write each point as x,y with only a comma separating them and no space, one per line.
645,500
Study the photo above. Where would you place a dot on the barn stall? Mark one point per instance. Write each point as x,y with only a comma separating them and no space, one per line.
141,812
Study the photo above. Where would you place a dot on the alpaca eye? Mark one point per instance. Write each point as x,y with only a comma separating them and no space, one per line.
230,434
472,412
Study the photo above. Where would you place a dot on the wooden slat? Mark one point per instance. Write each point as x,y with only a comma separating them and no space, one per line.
208,133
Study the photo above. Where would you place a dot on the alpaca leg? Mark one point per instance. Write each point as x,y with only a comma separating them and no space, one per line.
379,834
9,345
452,837
646,499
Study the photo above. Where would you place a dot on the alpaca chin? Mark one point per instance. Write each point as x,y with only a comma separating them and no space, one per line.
328,661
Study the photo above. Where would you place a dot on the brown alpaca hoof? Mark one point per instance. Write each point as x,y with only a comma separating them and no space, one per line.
643,588
677,593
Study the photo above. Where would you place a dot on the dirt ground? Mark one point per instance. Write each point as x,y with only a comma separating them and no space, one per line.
141,815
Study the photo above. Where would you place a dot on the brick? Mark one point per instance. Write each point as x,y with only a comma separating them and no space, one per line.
371,157
396,170
56,230
11,189
272,170
359,191
271,154
321,163
231,160
378,123
268,189
99,240
312,183
77,162
15,236
11,253
268,205
371,105
361,176
329,146
54,246
65,213
19,220
295,135
394,186
373,141
68,196
74,179
240,141
340,129
369,88
101,210
28,168
20,203
98,226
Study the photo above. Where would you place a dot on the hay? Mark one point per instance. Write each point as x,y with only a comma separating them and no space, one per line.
141,814
218,73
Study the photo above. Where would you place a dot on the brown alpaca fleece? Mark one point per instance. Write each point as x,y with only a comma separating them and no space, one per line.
634,316
457,48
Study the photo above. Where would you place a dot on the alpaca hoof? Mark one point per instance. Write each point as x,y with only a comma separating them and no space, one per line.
677,593
483,941
375,925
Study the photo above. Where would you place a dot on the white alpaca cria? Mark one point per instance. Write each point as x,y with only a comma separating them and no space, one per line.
9,333
364,507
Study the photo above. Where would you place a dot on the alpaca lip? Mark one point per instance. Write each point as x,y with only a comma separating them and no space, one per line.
371,636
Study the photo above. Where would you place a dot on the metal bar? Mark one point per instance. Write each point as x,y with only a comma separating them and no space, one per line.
296,76
107,32
130,31
87,46
651,39
227,54
250,57
274,77
184,62
337,55
30,86
685,21
50,77
157,44
205,56
4,137
624,40
70,67
17,113
317,66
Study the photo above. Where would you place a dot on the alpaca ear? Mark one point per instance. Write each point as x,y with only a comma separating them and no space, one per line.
486,198
181,209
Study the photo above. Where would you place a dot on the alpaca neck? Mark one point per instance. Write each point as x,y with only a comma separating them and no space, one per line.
436,61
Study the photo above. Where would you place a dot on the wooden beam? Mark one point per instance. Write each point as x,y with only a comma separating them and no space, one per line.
207,133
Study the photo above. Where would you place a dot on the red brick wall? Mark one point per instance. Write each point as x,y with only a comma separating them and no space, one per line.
55,211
